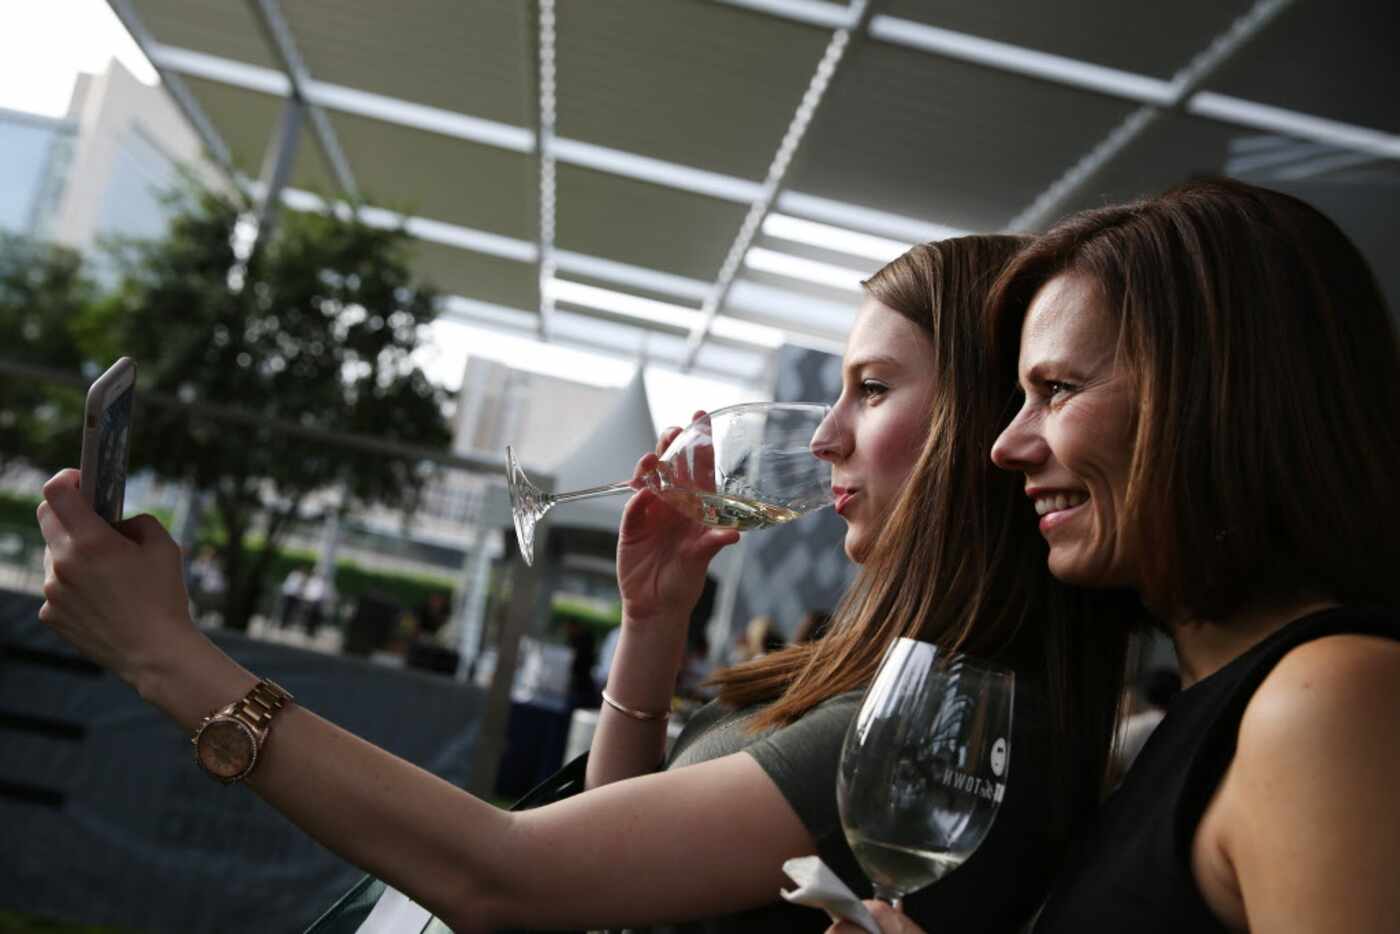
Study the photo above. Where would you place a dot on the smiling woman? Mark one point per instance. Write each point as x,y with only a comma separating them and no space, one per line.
1212,420
1072,436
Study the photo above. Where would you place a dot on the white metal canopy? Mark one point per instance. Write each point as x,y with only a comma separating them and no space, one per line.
717,176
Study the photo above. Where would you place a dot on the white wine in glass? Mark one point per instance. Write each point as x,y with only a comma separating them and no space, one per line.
924,765
742,467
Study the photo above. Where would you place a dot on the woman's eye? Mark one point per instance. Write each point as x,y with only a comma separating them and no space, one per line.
871,389
1056,389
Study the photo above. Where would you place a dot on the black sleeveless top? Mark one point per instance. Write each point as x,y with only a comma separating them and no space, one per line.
1131,870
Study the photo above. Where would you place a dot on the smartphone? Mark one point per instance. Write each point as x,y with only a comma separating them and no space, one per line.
107,439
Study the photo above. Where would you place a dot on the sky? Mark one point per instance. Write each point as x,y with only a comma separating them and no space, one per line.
44,44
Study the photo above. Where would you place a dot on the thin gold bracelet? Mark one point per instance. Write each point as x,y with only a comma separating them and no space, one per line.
634,714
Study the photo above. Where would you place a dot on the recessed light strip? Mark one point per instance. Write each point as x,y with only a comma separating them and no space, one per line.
812,12
828,237
808,270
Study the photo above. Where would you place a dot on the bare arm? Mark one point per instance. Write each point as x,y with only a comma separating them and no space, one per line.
1310,811
662,557
575,863
120,600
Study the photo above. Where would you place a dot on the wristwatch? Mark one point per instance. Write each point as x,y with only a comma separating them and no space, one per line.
227,742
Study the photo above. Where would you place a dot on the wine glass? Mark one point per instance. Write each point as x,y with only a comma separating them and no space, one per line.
924,765
742,467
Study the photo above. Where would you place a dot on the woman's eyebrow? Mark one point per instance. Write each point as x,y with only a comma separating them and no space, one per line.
869,360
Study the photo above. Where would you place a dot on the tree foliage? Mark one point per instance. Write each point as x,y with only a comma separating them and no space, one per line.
44,295
321,333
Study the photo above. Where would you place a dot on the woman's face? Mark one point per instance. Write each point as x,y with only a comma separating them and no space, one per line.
1073,436
880,422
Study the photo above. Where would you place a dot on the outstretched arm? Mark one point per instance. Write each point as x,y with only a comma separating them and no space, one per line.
1307,819
694,841
662,556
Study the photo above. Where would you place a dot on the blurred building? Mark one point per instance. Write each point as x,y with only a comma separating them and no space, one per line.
102,169
542,417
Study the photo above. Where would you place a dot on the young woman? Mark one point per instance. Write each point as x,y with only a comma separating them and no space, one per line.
1212,418
752,781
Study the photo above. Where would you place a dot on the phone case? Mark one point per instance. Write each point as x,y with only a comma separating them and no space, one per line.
106,439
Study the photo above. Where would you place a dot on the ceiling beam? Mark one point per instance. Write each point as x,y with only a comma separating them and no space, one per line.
1048,205
278,34
821,79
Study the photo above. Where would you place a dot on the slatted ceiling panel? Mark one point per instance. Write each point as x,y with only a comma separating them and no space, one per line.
478,276
1174,150
473,58
700,84
225,28
944,141
642,224
1152,38
441,177
1335,60
248,121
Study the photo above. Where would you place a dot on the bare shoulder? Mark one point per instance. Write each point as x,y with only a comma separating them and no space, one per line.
1324,682
1331,708
1309,808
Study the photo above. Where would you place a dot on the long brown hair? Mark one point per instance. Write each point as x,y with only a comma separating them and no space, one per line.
959,562
1268,377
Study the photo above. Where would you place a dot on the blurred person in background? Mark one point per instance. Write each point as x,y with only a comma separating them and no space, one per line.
752,781
290,604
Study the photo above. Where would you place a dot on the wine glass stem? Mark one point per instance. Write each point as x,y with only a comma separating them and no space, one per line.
891,897
612,489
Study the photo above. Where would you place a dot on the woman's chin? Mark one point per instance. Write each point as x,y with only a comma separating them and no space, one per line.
856,547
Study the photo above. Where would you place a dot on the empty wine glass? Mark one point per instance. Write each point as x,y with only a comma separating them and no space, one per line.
924,765
742,467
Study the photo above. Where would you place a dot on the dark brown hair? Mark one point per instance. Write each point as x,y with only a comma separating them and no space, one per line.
1267,437
959,561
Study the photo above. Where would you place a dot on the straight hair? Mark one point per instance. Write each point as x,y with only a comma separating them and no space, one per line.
1267,370
959,561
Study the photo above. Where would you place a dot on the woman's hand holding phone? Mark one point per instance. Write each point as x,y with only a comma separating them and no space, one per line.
117,594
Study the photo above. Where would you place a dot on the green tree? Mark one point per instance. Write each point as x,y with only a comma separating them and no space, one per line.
321,333
44,295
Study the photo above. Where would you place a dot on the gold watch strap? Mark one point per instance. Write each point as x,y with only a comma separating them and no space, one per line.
260,704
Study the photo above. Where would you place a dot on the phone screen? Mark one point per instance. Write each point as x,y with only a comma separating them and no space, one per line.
113,441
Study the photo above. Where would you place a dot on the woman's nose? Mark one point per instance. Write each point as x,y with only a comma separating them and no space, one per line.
1019,446
827,443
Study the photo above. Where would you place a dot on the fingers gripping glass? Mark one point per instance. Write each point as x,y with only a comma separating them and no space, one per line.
924,765
742,467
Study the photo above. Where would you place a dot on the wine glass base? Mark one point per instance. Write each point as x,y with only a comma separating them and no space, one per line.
527,505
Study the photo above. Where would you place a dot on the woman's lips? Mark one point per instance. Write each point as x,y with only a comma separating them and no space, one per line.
1053,520
843,499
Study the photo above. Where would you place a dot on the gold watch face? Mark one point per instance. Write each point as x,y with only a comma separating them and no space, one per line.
226,748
